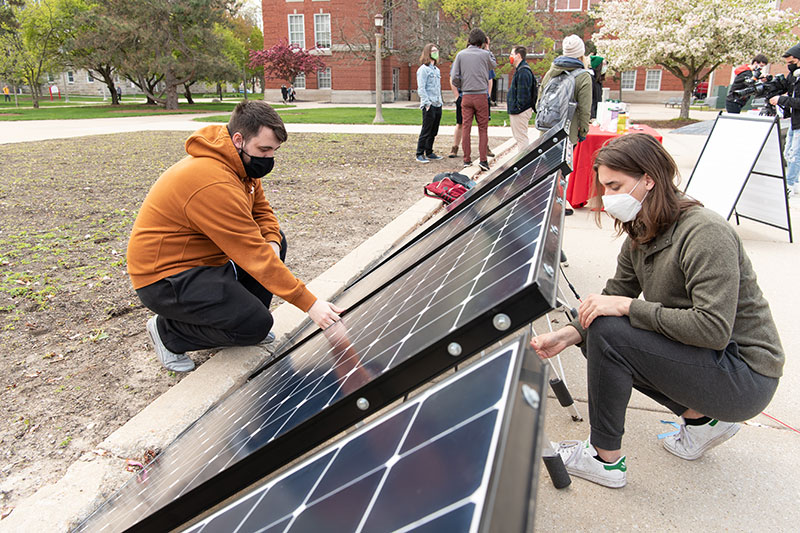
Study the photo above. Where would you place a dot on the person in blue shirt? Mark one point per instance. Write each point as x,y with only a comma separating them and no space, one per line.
429,89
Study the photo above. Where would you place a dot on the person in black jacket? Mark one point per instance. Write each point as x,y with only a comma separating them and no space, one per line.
520,100
598,68
791,108
744,74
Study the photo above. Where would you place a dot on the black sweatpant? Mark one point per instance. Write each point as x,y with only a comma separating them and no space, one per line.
716,383
210,307
430,128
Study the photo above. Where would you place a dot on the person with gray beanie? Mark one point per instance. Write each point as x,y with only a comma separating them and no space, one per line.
572,58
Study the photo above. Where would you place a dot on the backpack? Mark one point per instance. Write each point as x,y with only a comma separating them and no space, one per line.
557,103
447,186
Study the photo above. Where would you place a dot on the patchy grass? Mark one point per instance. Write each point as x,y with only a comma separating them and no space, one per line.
63,112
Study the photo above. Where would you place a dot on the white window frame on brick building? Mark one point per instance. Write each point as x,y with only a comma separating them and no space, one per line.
652,80
300,81
568,5
297,29
322,30
324,80
89,77
70,77
541,5
627,80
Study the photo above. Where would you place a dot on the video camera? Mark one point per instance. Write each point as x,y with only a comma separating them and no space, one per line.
771,86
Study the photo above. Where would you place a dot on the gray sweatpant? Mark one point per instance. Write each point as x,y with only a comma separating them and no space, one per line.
620,357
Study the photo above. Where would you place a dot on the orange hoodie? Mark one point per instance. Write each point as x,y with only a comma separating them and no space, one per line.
200,212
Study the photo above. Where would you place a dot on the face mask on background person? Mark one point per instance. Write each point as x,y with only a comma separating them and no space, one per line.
435,55
624,207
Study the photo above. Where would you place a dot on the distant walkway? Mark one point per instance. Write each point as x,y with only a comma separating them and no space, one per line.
38,130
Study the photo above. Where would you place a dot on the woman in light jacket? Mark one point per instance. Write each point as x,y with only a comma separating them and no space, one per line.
429,89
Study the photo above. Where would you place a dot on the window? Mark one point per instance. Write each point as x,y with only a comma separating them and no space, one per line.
568,5
89,77
652,82
50,77
300,81
297,32
322,30
388,24
324,78
628,82
70,77
541,5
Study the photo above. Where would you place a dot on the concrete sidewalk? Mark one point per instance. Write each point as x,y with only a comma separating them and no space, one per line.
748,484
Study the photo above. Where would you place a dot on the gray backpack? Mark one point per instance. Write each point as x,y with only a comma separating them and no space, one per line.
556,103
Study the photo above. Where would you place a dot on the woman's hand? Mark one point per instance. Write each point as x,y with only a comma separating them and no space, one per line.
550,344
596,305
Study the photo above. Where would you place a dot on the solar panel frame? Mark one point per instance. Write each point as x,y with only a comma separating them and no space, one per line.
553,143
432,359
511,466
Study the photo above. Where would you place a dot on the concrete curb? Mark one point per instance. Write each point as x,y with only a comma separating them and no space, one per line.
91,479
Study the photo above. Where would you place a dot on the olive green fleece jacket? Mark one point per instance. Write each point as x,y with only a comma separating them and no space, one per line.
579,126
699,289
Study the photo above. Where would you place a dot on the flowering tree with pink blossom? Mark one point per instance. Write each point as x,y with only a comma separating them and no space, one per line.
691,38
284,61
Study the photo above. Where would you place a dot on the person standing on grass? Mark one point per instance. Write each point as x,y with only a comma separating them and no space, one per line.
701,341
470,73
520,97
429,89
6,94
206,252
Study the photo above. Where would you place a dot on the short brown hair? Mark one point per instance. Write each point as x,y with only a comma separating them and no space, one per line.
476,37
425,57
250,115
760,58
635,155
522,51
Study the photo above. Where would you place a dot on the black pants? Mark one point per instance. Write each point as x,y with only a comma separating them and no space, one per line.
430,128
733,107
620,357
210,307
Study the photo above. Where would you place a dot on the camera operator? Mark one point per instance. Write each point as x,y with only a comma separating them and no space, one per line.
745,74
790,103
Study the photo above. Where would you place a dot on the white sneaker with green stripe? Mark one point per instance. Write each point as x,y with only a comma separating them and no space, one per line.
691,442
581,460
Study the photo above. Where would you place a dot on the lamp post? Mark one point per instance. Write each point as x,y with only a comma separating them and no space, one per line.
378,80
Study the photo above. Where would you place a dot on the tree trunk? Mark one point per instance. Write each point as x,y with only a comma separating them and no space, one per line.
187,93
219,91
172,90
35,95
688,85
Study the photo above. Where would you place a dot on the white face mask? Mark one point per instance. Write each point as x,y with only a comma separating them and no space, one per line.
624,207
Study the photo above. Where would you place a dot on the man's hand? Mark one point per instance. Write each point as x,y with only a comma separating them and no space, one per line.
774,100
324,313
596,305
551,344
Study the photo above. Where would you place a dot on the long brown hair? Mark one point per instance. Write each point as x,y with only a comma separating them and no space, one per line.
425,58
635,155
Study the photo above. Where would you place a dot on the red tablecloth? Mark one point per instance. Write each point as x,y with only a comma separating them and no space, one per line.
579,190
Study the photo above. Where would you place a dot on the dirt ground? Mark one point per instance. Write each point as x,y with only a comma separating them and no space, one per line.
75,361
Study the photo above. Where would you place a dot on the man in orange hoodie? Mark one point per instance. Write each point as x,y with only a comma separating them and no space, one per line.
206,251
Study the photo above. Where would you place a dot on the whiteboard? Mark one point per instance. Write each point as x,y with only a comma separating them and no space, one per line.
724,165
759,201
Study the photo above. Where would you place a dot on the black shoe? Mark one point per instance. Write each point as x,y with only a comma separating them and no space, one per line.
467,164
433,157
483,165
568,212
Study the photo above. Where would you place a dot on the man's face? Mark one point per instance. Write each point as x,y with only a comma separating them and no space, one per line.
791,60
262,145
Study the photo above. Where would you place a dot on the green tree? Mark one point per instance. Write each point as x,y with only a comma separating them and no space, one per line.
690,38
172,38
32,39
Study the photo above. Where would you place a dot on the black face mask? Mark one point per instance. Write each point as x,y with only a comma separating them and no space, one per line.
792,67
258,167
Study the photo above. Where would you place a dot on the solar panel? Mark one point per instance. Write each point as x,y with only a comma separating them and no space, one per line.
428,243
435,463
492,279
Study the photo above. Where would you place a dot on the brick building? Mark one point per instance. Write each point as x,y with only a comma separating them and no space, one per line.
344,32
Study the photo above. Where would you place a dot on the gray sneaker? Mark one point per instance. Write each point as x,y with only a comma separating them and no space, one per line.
177,362
691,442
269,339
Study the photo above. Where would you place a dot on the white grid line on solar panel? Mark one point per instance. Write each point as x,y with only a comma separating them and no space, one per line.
460,221
266,419
328,456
